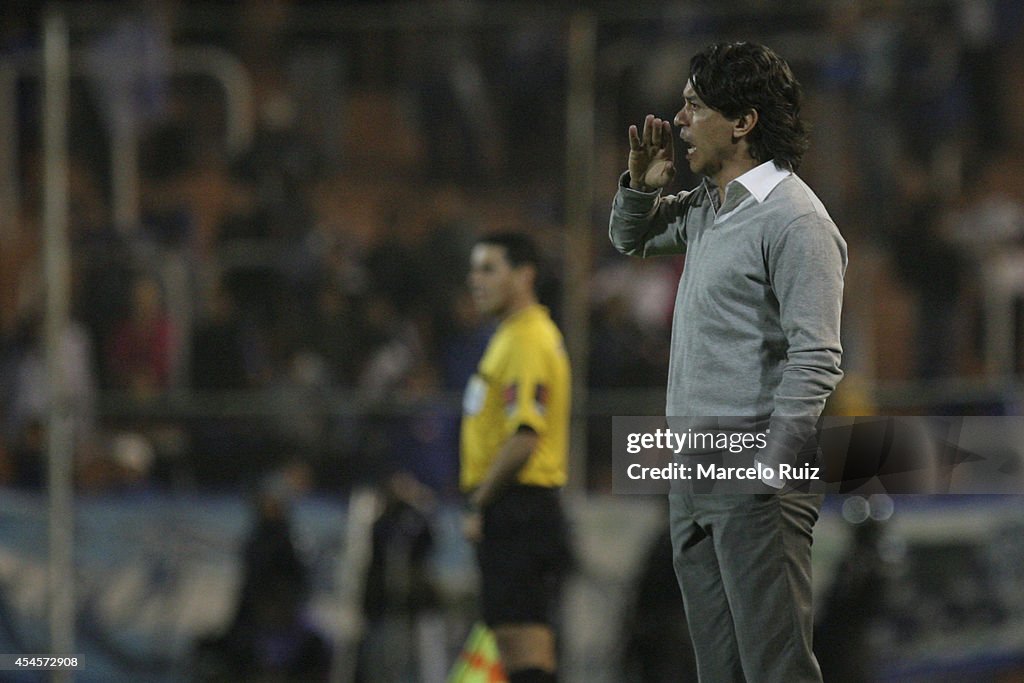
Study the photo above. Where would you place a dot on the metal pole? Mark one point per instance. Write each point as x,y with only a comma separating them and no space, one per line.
579,185
363,508
56,266
124,168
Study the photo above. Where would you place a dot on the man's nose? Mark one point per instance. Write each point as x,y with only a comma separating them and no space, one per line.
680,119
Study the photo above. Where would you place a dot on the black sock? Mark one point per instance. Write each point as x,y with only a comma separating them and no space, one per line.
533,675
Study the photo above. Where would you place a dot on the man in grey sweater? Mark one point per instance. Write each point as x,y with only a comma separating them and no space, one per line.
755,335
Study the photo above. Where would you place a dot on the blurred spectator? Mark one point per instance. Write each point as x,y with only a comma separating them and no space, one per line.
19,27
395,342
930,84
853,603
229,354
405,632
299,416
103,269
269,636
980,28
26,394
986,226
396,269
7,472
170,160
142,346
443,254
424,440
860,67
131,62
990,216
461,348
282,160
405,426
658,646
533,89
21,273
623,353
226,351
334,333
20,38
929,265
631,309
455,104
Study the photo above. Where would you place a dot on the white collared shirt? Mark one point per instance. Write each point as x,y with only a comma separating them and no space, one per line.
758,183
761,180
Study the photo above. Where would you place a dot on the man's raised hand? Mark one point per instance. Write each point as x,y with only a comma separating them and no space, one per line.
651,155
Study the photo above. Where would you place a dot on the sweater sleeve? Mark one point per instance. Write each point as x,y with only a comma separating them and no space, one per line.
646,223
806,265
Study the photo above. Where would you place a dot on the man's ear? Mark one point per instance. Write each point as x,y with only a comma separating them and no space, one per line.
745,123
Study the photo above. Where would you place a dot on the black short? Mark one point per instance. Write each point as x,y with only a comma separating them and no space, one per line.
523,556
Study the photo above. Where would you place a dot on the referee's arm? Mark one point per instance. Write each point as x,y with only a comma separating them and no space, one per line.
510,459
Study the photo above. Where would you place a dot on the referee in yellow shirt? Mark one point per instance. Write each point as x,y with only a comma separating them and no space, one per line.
514,449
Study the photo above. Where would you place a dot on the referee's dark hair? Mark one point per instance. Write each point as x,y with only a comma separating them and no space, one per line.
520,250
733,78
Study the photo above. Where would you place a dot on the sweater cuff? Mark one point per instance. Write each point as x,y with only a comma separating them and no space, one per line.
635,201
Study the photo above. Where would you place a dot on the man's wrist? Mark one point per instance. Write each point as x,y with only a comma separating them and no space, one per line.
636,185
626,181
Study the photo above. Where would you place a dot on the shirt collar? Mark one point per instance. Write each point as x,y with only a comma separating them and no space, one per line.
761,180
524,312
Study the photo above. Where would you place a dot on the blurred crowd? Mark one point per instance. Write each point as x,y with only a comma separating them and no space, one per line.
300,295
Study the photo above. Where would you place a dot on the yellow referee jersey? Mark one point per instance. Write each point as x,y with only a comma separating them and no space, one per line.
523,379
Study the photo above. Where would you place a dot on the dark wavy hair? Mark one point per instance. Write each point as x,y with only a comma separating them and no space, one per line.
519,249
733,78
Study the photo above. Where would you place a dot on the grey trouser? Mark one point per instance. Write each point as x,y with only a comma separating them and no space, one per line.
743,562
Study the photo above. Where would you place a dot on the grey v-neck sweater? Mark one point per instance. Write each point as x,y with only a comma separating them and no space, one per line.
756,326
